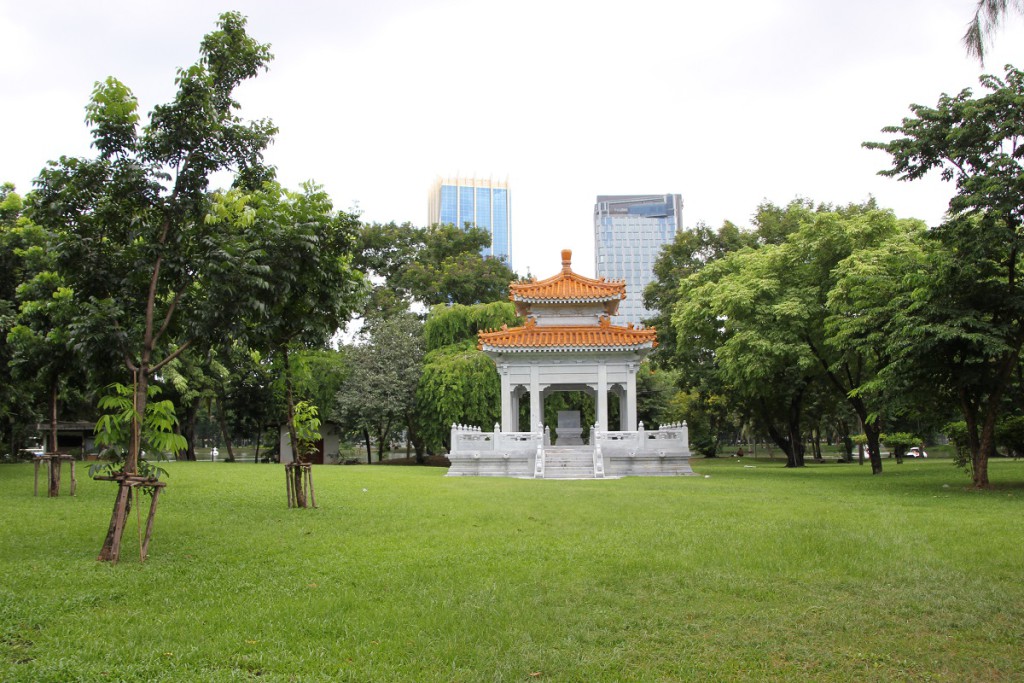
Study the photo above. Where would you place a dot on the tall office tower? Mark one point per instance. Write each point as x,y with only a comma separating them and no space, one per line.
481,202
629,231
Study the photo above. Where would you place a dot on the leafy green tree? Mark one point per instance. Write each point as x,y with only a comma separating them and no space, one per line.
964,325
41,342
450,270
727,309
23,254
251,400
378,398
701,388
132,239
311,289
1010,435
436,265
899,442
192,380
151,275
456,323
761,315
120,425
460,384
689,251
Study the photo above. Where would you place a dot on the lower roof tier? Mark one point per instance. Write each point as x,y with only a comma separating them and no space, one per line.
567,338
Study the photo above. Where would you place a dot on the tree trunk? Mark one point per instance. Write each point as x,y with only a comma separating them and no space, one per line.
383,440
369,451
55,463
53,418
189,429
783,443
111,550
795,439
141,396
259,438
223,424
300,494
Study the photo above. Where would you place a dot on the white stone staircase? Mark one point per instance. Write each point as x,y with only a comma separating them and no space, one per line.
568,462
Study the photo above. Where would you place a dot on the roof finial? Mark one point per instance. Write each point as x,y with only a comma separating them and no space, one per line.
566,260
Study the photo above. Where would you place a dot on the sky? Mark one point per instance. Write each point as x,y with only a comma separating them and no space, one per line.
727,103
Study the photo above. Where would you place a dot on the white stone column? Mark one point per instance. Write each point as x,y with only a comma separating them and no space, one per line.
623,413
507,400
602,395
515,410
536,401
630,408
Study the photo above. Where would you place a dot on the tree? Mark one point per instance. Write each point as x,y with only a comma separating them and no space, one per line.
311,285
761,315
460,384
40,341
988,16
966,316
689,251
23,254
378,398
436,265
899,442
700,400
152,277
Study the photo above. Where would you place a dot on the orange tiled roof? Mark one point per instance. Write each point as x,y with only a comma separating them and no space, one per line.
533,337
567,287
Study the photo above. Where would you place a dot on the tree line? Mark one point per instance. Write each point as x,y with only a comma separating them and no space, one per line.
129,268
851,320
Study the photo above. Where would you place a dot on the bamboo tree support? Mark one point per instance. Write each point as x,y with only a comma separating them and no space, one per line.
53,470
127,485
298,481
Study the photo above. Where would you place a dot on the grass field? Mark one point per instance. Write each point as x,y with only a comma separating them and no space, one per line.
749,572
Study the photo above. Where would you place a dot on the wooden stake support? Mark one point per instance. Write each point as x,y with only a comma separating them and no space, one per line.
304,476
54,460
127,485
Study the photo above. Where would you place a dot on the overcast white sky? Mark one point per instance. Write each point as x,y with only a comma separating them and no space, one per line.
725,103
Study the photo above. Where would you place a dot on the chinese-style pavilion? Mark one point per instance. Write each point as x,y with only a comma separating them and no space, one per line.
568,343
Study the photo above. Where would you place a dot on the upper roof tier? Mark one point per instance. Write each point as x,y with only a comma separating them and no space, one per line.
567,287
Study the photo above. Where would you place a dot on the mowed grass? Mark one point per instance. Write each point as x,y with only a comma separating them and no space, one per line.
747,572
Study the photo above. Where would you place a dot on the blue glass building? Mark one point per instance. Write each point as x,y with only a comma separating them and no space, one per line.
480,202
629,231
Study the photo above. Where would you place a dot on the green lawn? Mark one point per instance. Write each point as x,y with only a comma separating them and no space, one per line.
750,572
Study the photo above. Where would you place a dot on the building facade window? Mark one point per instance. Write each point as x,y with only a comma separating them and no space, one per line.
629,232
482,203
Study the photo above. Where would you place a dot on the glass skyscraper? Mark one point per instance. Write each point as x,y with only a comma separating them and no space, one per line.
481,202
629,231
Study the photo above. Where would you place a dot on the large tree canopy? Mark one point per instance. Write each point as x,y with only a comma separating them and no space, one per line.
150,274
752,323
966,317
440,264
